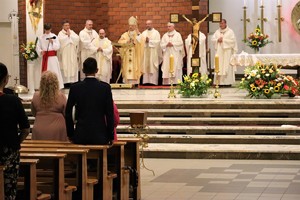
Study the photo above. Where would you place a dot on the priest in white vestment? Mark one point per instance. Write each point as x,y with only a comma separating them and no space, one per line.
132,53
87,49
172,44
103,56
68,53
202,53
152,54
225,45
47,47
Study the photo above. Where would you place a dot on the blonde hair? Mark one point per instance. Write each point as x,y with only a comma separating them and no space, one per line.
49,88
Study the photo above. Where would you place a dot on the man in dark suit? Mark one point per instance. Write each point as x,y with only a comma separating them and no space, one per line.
94,121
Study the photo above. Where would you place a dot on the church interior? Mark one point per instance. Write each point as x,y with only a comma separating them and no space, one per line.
224,144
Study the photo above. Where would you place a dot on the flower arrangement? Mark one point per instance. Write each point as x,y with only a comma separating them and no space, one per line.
257,39
194,85
28,51
263,81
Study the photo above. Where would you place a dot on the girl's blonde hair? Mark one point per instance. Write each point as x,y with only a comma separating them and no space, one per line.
49,89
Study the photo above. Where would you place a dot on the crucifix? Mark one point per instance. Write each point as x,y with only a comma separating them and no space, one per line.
16,79
195,20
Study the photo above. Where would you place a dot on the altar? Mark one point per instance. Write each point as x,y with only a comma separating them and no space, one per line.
287,61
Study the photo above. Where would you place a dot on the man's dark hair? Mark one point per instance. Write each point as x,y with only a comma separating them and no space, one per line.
47,26
65,21
3,72
225,21
90,66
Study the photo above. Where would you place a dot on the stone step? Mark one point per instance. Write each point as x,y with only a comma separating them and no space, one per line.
216,121
222,151
220,139
204,103
213,130
214,112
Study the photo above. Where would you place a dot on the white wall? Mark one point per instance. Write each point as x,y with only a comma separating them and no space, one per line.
6,42
6,7
232,11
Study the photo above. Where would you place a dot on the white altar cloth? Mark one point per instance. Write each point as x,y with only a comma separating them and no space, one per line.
244,59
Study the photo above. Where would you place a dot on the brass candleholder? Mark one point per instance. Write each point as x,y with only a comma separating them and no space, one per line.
172,92
245,20
141,131
279,20
262,19
217,93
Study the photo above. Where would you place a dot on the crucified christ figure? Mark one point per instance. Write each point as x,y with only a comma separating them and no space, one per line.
196,28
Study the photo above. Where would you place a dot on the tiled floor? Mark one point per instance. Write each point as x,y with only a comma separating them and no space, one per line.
177,179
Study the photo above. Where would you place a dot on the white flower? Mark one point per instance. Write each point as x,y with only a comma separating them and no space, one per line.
267,74
258,76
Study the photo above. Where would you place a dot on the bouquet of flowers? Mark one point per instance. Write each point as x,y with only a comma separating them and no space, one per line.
28,51
263,81
257,39
194,85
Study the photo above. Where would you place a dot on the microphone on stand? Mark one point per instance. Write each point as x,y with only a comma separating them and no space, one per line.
51,38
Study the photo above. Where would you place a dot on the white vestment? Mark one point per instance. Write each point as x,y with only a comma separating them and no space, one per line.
104,59
225,50
53,65
68,55
177,50
152,57
87,49
202,53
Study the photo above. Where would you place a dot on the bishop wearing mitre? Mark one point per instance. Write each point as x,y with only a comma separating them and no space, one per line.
132,52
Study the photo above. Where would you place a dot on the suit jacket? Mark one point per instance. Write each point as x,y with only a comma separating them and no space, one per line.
94,121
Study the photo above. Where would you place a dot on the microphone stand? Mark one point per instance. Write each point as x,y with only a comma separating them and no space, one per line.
45,58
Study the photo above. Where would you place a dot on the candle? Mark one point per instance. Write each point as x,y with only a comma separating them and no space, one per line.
216,63
245,3
262,2
278,2
171,63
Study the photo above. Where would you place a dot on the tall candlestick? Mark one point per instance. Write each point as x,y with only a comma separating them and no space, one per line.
171,63
261,2
216,63
245,3
278,2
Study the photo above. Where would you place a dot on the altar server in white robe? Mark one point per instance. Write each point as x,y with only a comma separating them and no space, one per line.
202,53
152,54
47,47
172,44
87,49
225,45
103,56
68,53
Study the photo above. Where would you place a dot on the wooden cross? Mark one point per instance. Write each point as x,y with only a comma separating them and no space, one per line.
16,79
195,20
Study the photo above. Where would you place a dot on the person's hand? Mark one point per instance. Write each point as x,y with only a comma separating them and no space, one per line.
169,44
68,32
220,40
147,40
99,49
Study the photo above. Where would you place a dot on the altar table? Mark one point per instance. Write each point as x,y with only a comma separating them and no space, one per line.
287,61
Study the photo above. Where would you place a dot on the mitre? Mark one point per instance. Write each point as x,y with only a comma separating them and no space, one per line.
132,21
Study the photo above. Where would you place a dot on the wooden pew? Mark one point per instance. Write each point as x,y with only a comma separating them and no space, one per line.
60,192
82,180
116,153
2,193
28,166
132,159
97,152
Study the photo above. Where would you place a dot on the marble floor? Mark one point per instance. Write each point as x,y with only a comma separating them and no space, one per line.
198,179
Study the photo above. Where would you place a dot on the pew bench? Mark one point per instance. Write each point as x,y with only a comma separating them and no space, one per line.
60,191
96,152
28,167
82,181
2,168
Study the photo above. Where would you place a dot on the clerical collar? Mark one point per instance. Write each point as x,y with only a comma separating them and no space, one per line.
91,76
87,30
171,33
